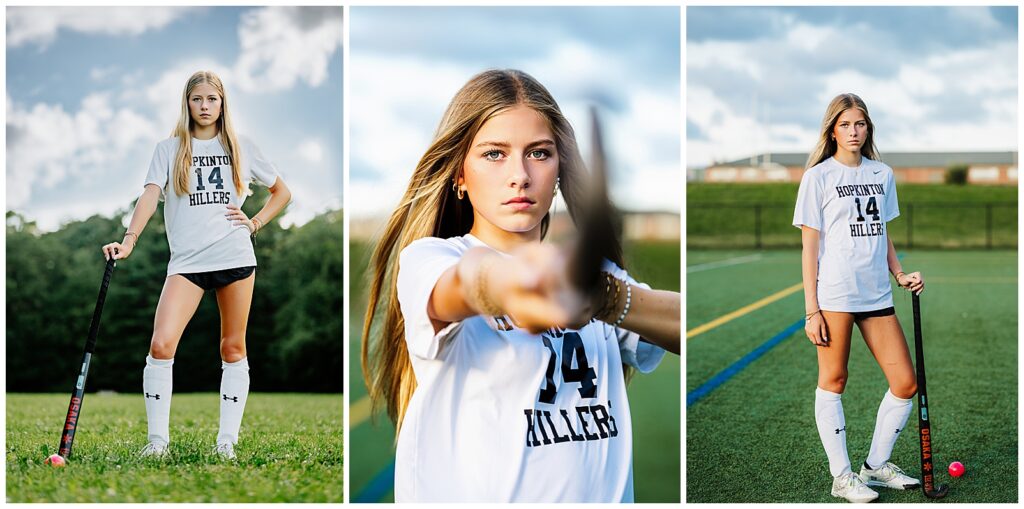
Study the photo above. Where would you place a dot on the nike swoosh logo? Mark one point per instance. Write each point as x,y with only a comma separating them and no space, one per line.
877,172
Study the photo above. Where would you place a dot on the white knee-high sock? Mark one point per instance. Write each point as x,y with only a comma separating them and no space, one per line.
234,390
892,417
828,414
156,386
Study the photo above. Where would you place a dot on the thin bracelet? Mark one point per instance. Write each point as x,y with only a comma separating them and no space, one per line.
625,311
809,315
256,224
133,234
610,302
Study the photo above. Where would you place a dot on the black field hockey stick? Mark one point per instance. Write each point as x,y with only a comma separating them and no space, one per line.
67,436
596,222
923,422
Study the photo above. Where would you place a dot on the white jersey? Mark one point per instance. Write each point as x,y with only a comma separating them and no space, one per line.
850,208
502,415
201,238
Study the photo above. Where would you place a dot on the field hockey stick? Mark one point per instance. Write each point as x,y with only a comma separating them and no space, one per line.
67,436
596,221
923,423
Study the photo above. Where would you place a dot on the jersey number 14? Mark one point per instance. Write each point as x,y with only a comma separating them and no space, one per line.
871,209
583,374
215,178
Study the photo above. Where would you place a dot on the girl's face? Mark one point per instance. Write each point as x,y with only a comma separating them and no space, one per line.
204,105
510,170
851,130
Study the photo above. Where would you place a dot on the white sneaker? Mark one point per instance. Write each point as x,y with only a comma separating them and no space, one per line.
154,450
225,450
888,476
852,488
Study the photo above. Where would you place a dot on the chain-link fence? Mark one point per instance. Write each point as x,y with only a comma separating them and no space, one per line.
725,225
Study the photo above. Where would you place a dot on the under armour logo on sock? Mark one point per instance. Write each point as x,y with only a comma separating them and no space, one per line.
840,429
154,396
898,431
230,398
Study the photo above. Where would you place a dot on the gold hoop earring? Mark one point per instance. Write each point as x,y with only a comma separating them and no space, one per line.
460,192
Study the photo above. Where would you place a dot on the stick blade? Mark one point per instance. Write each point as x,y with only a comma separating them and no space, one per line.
596,221
940,491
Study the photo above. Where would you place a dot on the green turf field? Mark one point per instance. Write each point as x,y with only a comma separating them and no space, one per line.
753,439
654,398
290,450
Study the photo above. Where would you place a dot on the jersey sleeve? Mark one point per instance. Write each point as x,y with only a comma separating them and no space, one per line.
159,168
420,266
639,354
892,206
260,168
809,208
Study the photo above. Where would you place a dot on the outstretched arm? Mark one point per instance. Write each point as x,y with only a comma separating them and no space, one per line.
530,286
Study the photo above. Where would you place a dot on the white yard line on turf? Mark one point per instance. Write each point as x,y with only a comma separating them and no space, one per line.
723,263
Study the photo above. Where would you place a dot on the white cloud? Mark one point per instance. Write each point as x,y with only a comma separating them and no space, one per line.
284,45
312,151
724,55
729,134
49,146
40,25
811,37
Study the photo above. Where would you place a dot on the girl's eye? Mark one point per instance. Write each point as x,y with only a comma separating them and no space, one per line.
492,155
539,154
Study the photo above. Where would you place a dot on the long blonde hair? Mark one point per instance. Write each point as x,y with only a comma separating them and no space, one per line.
826,146
183,131
431,208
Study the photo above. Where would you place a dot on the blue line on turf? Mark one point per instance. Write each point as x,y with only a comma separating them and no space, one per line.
727,373
379,486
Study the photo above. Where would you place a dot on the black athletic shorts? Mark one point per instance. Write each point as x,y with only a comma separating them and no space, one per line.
860,315
218,278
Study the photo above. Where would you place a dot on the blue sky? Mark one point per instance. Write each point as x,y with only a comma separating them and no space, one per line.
934,78
90,91
408,62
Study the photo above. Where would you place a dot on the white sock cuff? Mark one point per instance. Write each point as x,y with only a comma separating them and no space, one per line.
159,363
820,393
239,364
900,401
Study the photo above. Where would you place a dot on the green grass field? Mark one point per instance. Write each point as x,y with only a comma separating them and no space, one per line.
753,439
722,216
654,398
290,450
